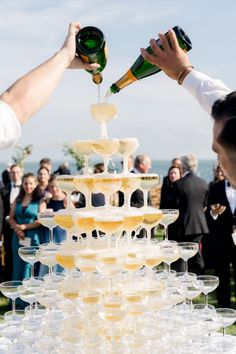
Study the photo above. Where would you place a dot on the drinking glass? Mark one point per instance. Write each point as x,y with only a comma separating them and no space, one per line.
148,182
85,149
46,218
47,255
152,256
227,317
169,216
170,253
10,289
130,182
66,184
29,255
186,251
107,185
133,218
209,284
108,223
64,219
151,218
106,148
85,185
126,148
85,222
102,113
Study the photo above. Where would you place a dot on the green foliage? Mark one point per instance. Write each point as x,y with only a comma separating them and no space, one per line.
79,160
22,154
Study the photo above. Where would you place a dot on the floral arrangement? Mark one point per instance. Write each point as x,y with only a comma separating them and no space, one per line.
79,160
22,154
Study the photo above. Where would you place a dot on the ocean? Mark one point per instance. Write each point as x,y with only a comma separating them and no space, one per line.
205,168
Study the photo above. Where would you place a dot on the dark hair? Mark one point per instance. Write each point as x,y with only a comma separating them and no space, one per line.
224,110
46,160
178,167
43,168
36,195
15,165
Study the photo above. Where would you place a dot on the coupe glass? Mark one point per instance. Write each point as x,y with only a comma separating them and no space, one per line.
209,284
169,216
85,149
126,148
102,113
64,219
151,218
10,289
46,218
170,253
107,184
148,182
133,218
85,185
108,223
29,255
66,184
130,182
227,317
106,148
47,255
186,251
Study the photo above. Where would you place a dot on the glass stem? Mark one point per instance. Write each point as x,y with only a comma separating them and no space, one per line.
51,235
224,331
186,266
145,198
14,306
206,300
125,164
32,271
103,131
166,232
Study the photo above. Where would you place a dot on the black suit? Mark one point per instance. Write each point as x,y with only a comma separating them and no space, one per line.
190,197
7,233
223,250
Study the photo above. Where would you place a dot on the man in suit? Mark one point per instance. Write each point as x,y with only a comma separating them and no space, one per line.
190,197
9,194
221,212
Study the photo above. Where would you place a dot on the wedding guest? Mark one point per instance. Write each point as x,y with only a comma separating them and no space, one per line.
9,193
174,174
214,97
28,94
43,177
47,163
23,220
142,165
221,212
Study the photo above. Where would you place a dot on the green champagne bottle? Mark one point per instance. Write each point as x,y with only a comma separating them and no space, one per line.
142,68
91,48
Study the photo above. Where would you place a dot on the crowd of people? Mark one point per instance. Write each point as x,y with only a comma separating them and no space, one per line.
207,214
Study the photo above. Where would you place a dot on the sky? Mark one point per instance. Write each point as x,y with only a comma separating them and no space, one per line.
166,120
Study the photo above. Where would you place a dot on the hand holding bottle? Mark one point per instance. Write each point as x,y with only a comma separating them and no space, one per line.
69,46
170,58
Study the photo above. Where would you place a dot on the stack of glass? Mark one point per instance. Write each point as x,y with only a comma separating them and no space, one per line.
110,298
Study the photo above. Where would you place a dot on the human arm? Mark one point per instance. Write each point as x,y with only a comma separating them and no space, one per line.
31,92
176,64
12,221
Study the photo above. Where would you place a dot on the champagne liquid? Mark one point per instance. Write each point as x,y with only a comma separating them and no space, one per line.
47,221
170,258
29,258
153,261
64,221
90,299
128,146
187,253
152,219
107,185
83,147
132,222
12,293
149,182
48,260
132,267
108,226
65,183
103,112
105,146
130,183
71,295
66,261
86,224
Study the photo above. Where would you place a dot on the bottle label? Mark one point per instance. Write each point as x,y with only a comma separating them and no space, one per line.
126,80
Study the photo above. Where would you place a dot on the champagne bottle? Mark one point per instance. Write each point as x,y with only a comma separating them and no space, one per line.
142,68
91,48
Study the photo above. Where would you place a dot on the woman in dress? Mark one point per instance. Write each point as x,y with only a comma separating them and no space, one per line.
23,219
43,177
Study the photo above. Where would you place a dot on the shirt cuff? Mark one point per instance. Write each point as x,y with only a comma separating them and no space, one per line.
205,89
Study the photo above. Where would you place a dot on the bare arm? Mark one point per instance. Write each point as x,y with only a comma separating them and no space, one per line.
31,92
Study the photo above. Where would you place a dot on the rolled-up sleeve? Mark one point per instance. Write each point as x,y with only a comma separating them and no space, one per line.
10,128
205,89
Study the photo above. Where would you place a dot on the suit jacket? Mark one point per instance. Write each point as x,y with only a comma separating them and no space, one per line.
222,227
190,197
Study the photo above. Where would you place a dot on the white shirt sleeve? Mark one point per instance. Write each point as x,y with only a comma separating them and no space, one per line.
10,128
205,89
